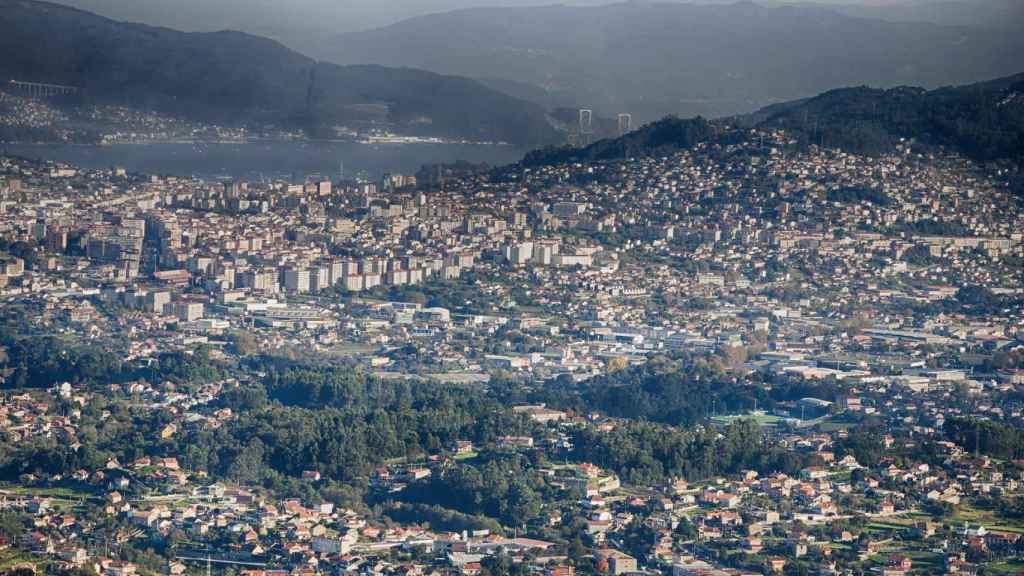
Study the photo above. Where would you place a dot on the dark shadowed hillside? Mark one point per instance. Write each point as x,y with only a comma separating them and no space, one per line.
984,121
235,77
663,136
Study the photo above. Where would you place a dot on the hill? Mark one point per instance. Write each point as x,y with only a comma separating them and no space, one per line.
236,77
663,136
299,24
984,121
981,13
653,59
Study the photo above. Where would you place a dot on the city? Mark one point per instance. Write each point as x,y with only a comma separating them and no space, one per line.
511,288
743,358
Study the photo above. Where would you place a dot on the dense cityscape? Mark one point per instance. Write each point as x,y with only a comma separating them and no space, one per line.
747,357
511,288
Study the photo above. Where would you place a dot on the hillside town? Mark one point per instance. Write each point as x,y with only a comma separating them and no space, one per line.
739,359
33,120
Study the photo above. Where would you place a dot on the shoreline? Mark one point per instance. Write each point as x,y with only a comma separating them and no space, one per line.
372,141
256,158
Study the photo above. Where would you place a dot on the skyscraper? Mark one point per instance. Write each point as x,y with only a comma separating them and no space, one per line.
586,121
625,123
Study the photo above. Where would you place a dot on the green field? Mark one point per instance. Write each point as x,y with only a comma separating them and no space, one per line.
764,420
835,424
1012,567
886,526
990,519
352,349
10,558
61,499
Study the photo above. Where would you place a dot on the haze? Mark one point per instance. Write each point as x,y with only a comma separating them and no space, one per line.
301,23
695,57
277,17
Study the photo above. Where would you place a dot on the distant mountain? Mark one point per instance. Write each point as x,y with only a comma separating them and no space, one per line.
520,90
235,77
299,24
984,121
652,59
978,13
305,24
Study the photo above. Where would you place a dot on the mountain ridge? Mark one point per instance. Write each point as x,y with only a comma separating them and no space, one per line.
237,77
653,59
984,121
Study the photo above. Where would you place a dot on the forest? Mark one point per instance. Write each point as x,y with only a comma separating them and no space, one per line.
994,439
292,416
650,454
680,392
983,121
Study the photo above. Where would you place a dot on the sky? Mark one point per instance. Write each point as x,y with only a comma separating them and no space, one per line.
305,25
338,15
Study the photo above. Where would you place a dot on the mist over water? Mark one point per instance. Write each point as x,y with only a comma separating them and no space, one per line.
279,160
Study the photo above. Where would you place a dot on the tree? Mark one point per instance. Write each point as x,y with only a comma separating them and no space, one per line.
11,525
244,343
26,252
248,465
617,364
864,445
577,550
998,440
501,565
686,529
977,296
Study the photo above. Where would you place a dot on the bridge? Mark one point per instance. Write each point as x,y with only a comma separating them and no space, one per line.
40,90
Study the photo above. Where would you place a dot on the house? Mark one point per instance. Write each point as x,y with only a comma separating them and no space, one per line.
753,545
539,413
850,403
897,565
618,562
39,506
414,474
168,431
729,500
515,442
168,463
814,473
117,568
145,517
74,555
